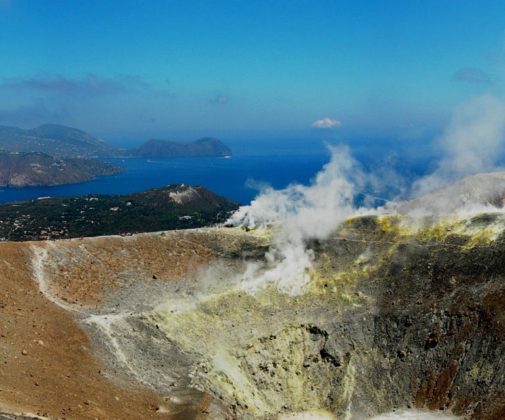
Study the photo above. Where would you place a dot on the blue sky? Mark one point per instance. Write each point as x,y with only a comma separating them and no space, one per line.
247,69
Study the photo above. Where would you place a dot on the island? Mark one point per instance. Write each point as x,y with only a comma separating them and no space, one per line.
208,147
53,154
55,140
177,206
64,142
20,169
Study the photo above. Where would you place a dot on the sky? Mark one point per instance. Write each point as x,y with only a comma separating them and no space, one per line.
281,69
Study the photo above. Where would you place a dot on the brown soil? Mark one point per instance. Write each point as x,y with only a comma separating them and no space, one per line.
47,367
105,262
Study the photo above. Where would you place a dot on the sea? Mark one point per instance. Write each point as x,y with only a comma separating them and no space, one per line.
238,177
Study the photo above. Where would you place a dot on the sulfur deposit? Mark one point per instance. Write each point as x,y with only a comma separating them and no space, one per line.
396,316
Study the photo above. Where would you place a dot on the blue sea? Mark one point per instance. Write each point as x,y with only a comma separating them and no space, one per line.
236,178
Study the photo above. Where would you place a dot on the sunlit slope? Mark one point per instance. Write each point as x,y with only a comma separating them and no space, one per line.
395,315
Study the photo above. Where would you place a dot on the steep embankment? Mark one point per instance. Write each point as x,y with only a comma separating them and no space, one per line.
395,316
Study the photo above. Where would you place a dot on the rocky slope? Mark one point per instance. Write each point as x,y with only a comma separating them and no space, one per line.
19,170
396,315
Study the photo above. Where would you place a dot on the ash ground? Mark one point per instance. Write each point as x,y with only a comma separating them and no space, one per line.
394,317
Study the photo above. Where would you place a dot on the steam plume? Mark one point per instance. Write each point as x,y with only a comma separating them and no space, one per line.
470,144
299,213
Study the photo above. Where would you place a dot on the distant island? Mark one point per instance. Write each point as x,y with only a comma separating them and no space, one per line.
162,148
173,207
20,169
66,142
54,154
54,140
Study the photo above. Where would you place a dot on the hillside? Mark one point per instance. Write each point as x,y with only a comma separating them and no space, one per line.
55,140
172,207
38,169
159,324
60,141
163,148
401,313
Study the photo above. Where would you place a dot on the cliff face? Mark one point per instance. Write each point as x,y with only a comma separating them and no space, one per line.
395,316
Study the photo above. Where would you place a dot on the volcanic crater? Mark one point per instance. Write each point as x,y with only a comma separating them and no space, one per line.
159,325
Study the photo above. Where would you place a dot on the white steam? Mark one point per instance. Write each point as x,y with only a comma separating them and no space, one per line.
300,213
471,195
471,143
415,415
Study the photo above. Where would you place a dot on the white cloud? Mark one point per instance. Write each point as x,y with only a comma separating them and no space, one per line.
326,123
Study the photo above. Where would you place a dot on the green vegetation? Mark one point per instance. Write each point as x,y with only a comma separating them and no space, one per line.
172,207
